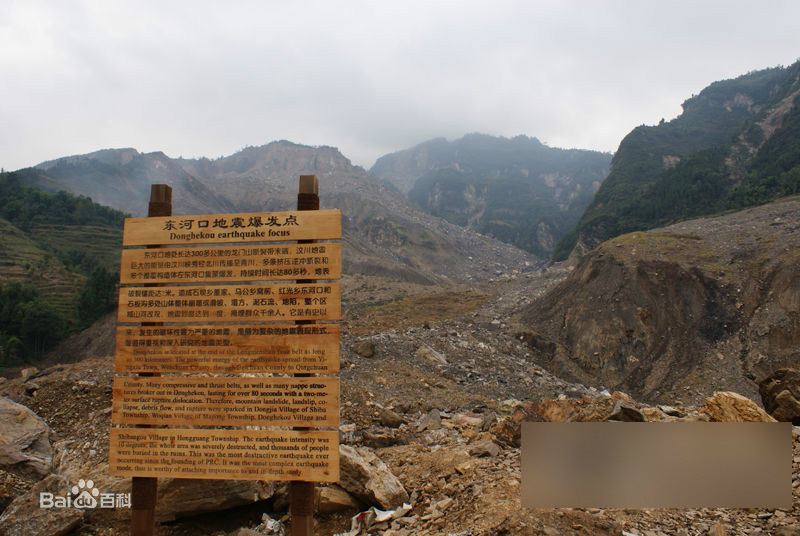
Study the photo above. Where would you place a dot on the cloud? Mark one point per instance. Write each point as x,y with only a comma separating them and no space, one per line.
207,78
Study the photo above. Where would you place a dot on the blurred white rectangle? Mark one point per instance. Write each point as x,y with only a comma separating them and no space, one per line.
656,465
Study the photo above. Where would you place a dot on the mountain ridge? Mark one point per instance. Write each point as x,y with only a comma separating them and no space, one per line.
719,154
383,232
518,189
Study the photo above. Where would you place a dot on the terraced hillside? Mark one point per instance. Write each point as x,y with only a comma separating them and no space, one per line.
23,260
53,249
94,245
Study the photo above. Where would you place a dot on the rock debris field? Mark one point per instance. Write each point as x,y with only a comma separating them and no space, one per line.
432,399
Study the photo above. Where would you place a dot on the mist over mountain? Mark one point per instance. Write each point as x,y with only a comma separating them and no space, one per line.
515,189
121,178
736,144
384,233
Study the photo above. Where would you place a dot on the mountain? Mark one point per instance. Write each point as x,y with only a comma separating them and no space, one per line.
736,144
121,178
384,234
680,311
517,190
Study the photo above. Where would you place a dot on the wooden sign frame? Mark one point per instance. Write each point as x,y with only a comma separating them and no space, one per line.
219,331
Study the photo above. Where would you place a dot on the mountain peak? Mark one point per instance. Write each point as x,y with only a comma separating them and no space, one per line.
282,154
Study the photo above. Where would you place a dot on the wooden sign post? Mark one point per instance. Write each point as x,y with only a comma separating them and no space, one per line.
195,318
301,493
144,490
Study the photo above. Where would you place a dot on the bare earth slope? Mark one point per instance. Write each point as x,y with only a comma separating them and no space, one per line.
675,312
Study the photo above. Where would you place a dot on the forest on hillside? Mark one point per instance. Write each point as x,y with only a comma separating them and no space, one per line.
32,320
714,157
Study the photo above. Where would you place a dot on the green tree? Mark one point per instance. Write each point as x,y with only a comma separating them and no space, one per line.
99,296
42,325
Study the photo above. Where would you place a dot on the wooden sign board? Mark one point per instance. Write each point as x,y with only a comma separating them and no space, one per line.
226,401
231,263
277,348
233,228
227,303
225,454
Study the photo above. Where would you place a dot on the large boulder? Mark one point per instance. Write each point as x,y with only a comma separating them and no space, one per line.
365,348
726,406
331,499
597,408
24,441
366,477
178,497
780,394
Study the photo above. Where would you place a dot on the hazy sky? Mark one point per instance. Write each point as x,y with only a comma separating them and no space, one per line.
202,78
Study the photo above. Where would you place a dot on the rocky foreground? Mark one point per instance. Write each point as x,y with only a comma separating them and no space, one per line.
431,419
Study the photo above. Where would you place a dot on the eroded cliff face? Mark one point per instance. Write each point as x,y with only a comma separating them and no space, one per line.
675,313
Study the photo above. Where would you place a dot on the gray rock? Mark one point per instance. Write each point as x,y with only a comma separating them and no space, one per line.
379,440
332,499
26,441
485,447
390,418
178,497
366,477
430,421
780,393
625,412
364,348
429,354
671,411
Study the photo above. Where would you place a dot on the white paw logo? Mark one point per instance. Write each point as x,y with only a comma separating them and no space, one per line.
86,494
